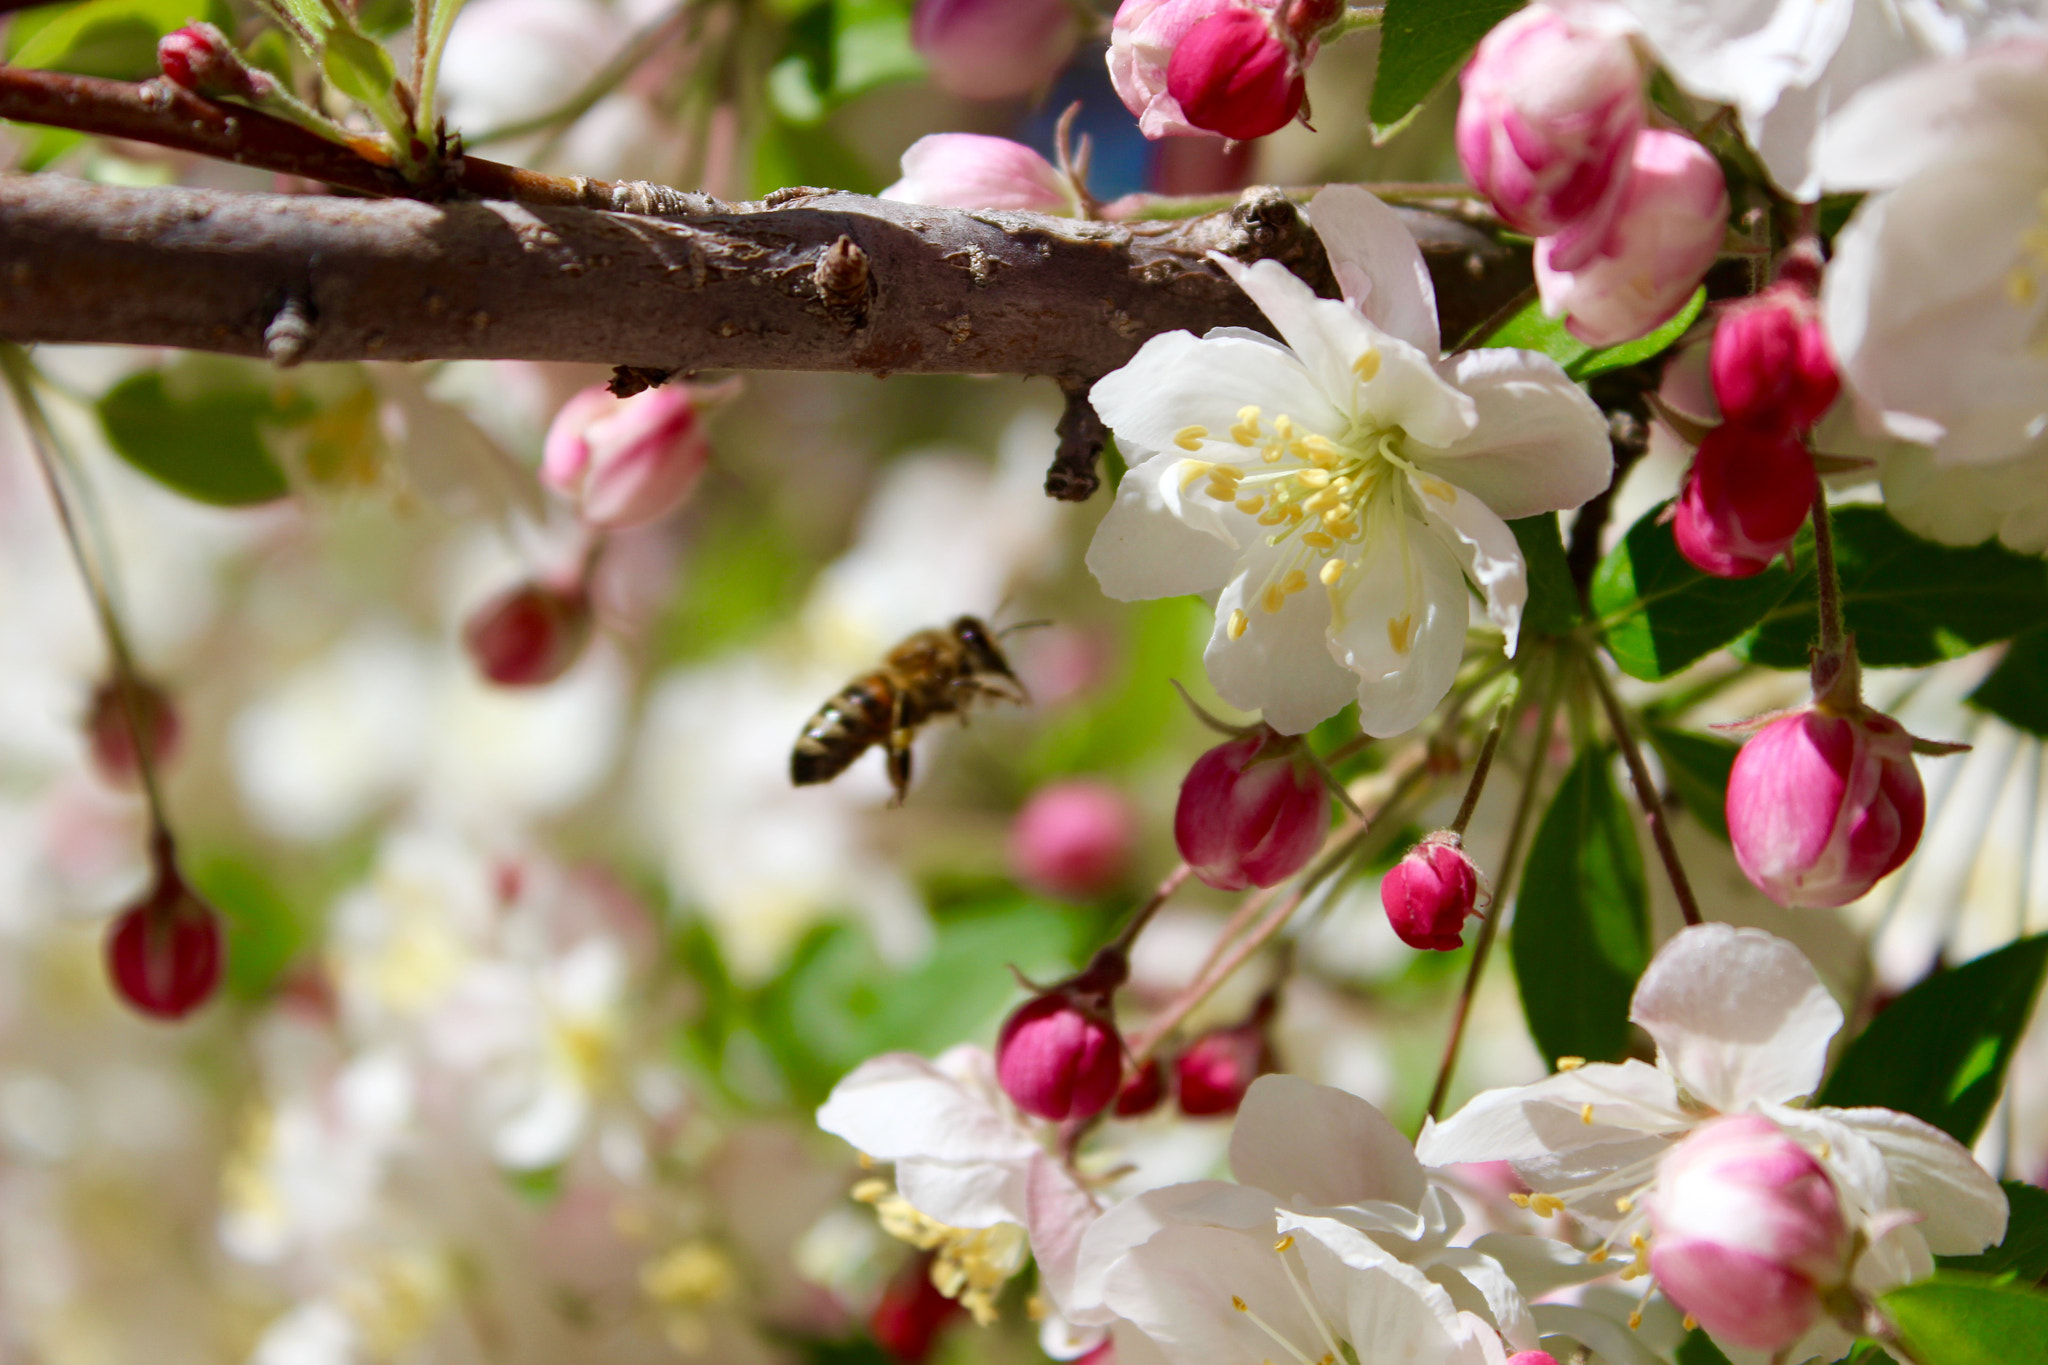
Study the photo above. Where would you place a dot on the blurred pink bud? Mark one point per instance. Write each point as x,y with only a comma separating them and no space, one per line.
529,635
1059,1054
1532,1358
624,462
1770,363
1232,74
1667,228
1073,839
1747,1232
199,58
970,171
1142,41
911,1313
1212,1074
164,952
1429,894
1745,498
1143,1091
1251,813
1549,112
110,728
1821,805
1105,1354
991,49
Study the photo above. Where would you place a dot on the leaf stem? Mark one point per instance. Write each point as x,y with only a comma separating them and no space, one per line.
1646,791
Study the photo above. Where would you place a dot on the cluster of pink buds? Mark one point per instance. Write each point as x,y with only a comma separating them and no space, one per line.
1220,68
1551,130
164,951
1252,812
992,49
1430,894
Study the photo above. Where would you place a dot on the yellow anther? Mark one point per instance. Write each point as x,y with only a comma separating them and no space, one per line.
1274,515
1191,437
1223,490
1284,1243
1544,1205
1333,570
1272,599
867,1163
1401,632
1238,624
1317,539
1367,365
1570,1063
1250,504
1586,1113
868,1191
1323,502
1283,427
2020,286
1689,1322
1313,478
1597,1255
1638,1241
1624,1204
1441,491
1328,1359
1827,1149
1321,449
1519,1200
1239,1304
1271,454
1192,470
1635,1320
1294,582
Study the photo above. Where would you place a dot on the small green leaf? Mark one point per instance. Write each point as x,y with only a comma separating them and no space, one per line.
1642,348
1697,767
2023,1255
2017,690
1960,1320
1939,1052
359,67
1530,329
1553,606
198,426
1699,1349
1662,614
1581,933
115,39
1421,43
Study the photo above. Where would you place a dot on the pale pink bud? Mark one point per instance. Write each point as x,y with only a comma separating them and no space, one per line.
991,49
111,723
1142,39
1770,363
1212,1074
164,952
1821,805
1745,498
1142,1091
1073,839
1429,894
624,462
1747,1231
1251,813
1667,228
1231,74
970,171
199,58
1059,1054
1549,112
529,635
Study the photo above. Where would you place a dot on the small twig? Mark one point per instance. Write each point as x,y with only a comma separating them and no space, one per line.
1072,476
1646,792
1142,916
1483,765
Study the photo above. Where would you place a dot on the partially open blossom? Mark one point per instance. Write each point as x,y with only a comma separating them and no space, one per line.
624,462
1142,1090
1822,804
974,171
1429,894
164,952
1059,1054
1745,498
529,635
1549,111
112,721
912,1312
991,49
1142,41
1770,364
1073,838
1667,229
1252,812
1232,74
199,58
1212,1073
1747,1232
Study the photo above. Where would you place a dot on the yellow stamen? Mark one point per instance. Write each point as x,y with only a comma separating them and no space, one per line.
1294,582
1250,504
867,1163
1317,539
1321,450
1284,1242
1192,470
1624,1204
1246,432
1689,1322
1367,365
1272,599
1238,623
1544,1205
1274,515
1519,1200
1332,569
868,1191
1271,454
1635,1320
1223,490
1597,1255
1441,491
1570,1063
1191,437
1313,478
1586,1113
2020,287
1239,1304
1401,632
1827,1149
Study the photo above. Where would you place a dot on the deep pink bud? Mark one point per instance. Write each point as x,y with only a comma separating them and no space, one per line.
624,462
1212,1074
911,1313
1429,894
991,49
971,171
1142,40
1059,1055
1233,75
1549,112
1770,363
1251,813
110,728
1821,805
199,58
1747,1231
1745,498
163,953
1532,1358
1667,228
529,635
1142,1091
1073,839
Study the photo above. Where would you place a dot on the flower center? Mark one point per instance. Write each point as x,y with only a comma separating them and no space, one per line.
969,1264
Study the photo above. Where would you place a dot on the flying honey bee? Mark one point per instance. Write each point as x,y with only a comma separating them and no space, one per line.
933,673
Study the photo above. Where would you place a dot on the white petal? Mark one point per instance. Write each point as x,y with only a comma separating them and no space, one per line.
1479,1284
1314,1145
1131,1224
1484,545
1739,1016
1057,1213
1377,264
965,1194
1963,1209
1538,1265
1524,1123
1540,444
1911,121
1281,665
1611,1341
899,1105
1409,590
1178,1288
1391,1311
1177,380
1155,542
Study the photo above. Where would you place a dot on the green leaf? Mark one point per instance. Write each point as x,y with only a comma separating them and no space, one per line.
1699,1349
1421,43
1530,329
1553,606
1642,348
264,934
1661,614
1957,1320
785,154
2017,690
1939,1051
115,39
1697,767
1581,931
197,426
359,67
1908,601
2023,1255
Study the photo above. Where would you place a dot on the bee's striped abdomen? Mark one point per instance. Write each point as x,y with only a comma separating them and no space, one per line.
842,730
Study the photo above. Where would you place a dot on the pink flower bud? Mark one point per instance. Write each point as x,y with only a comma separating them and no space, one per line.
1059,1054
1143,1091
624,462
1232,74
1550,110
970,171
911,1313
1215,1070
530,635
199,58
164,952
1667,228
1532,1358
1747,1231
110,728
991,49
1251,813
1073,839
1745,498
1142,41
1821,805
1429,894
1770,363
